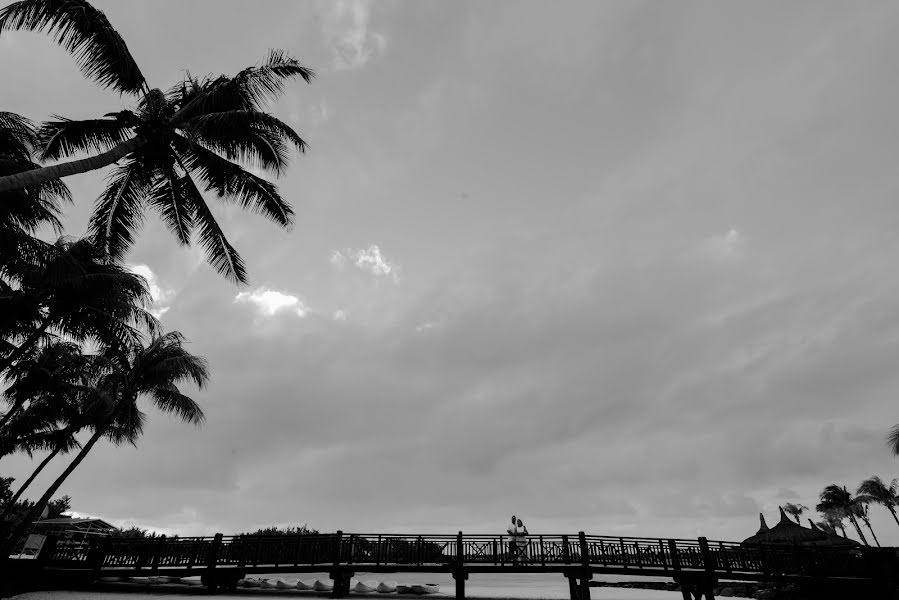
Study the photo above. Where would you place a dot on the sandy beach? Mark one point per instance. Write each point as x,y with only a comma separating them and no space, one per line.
136,592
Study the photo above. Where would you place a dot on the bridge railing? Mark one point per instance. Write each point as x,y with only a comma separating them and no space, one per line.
325,550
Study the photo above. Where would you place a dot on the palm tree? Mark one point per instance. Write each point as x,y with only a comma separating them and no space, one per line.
23,211
196,129
78,292
122,378
51,381
795,510
860,510
875,490
838,499
827,526
833,519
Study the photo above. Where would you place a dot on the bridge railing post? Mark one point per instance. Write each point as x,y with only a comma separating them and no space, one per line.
708,560
586,574
158,551
675,558
459,574
585,551
337,544
566,551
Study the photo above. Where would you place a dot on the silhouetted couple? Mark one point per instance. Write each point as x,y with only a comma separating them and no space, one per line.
518,542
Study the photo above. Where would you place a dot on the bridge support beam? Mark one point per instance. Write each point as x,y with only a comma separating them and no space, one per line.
341,579
697,587
460,577
579,584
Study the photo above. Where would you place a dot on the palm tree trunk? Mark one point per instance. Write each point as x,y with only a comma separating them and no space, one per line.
843,529
8,544
15,408
858,529
91,163
868,525
37,471
893,512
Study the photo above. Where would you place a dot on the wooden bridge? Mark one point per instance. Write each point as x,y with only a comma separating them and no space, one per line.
697,565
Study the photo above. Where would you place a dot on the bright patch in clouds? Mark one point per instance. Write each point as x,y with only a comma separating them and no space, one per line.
725,246
340,315
367,259
268,302
161,296
347,33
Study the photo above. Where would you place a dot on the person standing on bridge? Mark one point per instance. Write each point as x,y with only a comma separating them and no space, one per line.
512,530
521,541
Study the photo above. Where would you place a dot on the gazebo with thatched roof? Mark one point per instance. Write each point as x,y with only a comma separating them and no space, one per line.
788,532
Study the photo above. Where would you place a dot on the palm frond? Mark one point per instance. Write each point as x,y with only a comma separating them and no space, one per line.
219,252
119,210
176,403
65,137
247,136
248,90
168,197
18,138
230,181
893,440
84,32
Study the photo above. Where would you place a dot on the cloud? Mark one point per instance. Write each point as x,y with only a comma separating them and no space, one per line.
348,35
339,315
269,302
314,115
724,247
366,259
162,297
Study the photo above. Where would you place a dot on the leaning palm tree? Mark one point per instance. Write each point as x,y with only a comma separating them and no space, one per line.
795,510
836,498
874,490
860,511
195,131
122,378
55,439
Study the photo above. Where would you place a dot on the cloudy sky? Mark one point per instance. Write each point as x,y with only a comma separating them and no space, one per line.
622,267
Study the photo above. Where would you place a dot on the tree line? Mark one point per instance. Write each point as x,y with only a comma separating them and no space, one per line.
79,345
837,504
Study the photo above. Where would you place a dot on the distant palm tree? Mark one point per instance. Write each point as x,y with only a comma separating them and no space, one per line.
874,490
836,498
827,527
860,510
833,520
795,510
122,378
196,129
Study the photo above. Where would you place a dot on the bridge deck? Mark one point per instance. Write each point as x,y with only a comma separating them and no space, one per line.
224,559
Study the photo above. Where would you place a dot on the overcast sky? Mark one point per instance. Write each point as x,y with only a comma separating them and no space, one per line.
621,267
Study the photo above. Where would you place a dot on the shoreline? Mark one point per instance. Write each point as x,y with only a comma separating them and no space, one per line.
145,592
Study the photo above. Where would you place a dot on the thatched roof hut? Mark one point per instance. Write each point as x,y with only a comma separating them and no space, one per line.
788,532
